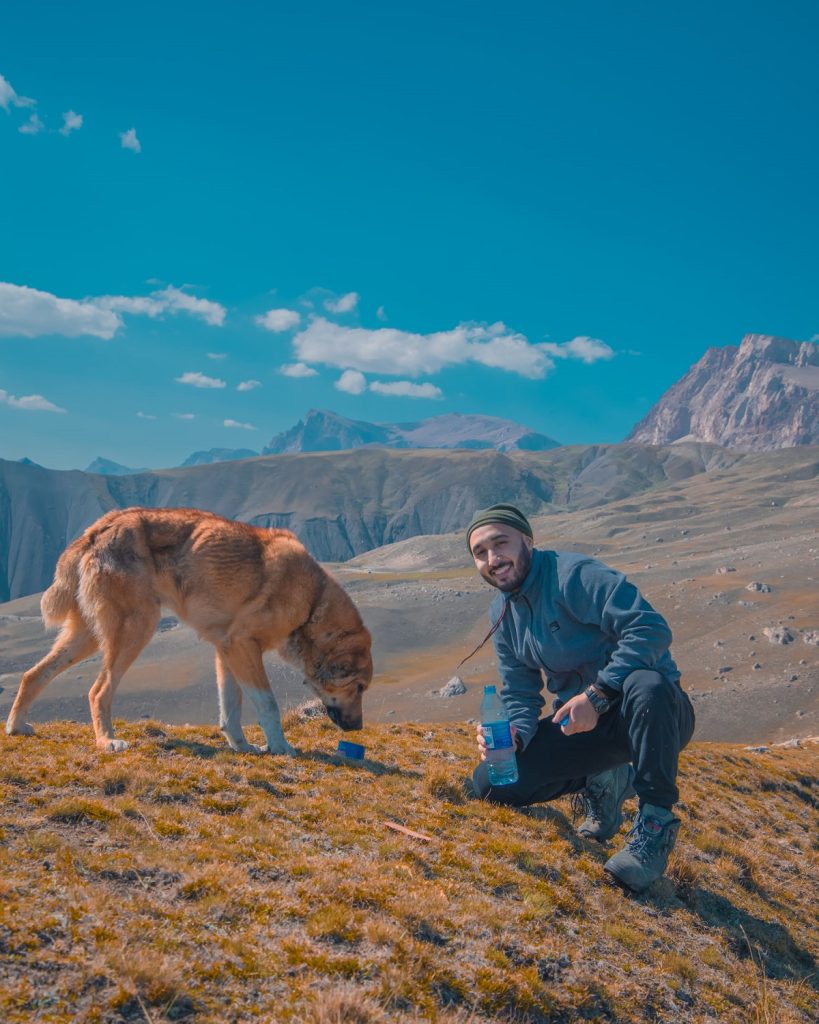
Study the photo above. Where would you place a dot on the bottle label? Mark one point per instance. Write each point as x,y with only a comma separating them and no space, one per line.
498,735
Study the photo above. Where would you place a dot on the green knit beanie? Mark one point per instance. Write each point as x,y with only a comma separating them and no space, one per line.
506,514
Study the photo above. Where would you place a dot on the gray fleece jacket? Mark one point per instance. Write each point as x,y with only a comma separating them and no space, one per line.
575,621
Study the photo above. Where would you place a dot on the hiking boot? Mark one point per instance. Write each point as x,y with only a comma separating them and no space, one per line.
602,802
644,857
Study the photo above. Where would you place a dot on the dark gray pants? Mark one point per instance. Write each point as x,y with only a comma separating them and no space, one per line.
649,726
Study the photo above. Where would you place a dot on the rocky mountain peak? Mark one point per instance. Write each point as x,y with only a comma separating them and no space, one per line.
761,395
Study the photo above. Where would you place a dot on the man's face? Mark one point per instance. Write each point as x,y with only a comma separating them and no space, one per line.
502,555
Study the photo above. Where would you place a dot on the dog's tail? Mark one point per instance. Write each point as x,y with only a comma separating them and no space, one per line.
61,598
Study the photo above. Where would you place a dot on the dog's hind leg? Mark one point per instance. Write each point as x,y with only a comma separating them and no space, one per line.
244,658
73,644
230,708
124,634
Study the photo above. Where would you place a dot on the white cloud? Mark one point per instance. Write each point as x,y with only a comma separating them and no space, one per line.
298,370
9,98
344,304
129,140
387,350
406,389
167,300
217,355
587,350
382,316
29,313
145,416
33,126
352,382
199,380
240,426
32,403
278,320
248,385
72,122
184,416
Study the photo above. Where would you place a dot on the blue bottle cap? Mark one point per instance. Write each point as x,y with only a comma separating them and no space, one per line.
348,749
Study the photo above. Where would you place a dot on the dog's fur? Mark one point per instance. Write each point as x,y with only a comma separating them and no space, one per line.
245,589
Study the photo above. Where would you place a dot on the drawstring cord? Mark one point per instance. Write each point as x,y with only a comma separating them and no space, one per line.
488,636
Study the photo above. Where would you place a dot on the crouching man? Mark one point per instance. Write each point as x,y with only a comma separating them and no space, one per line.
619,717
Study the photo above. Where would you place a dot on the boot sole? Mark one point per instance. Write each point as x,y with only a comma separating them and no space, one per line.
623,885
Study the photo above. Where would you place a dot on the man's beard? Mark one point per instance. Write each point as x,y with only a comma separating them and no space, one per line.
519,572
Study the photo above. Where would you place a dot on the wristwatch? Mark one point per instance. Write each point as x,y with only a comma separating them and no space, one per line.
598,700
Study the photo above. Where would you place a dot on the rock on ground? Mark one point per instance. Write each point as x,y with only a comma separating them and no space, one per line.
454,688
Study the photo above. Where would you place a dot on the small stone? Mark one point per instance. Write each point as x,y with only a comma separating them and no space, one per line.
789,744
757,666
757,750
759,588
779,634
724,669
811,636
723,569
454,688
793,679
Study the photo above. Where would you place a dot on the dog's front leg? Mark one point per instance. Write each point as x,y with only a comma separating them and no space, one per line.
267,711
244,659
230,709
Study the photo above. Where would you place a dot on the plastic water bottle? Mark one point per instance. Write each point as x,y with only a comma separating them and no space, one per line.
500,750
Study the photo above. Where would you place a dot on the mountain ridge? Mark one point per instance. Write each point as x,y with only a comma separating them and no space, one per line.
758,396
324,430
341,504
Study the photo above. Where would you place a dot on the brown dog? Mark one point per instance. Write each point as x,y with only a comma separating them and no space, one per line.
246,590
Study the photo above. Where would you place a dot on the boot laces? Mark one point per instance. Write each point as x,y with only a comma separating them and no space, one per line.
643,841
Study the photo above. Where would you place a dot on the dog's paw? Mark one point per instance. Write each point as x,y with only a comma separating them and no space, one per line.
284,748
241,746
23,729
112,746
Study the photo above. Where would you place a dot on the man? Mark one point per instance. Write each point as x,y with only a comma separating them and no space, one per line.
620,717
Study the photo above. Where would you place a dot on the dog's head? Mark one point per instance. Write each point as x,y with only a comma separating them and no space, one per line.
338,671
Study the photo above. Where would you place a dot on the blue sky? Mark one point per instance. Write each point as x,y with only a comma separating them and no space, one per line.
544,211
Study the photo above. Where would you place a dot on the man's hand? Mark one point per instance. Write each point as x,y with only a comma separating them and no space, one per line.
482,740
582,716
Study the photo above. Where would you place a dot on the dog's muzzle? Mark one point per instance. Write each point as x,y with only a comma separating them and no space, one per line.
337,718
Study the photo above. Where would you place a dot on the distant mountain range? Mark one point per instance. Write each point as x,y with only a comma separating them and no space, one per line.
323,431
760,396
206,458
105,467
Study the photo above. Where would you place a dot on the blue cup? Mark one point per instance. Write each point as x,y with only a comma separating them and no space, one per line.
351,750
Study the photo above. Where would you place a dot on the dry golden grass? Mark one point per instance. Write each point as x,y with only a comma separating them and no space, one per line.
180,882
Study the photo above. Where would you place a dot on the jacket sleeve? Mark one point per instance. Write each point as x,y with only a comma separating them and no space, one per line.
521,689
600,596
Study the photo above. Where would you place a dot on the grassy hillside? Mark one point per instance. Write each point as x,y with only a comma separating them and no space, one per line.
180,882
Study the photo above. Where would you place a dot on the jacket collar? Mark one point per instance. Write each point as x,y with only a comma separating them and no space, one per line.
533,583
